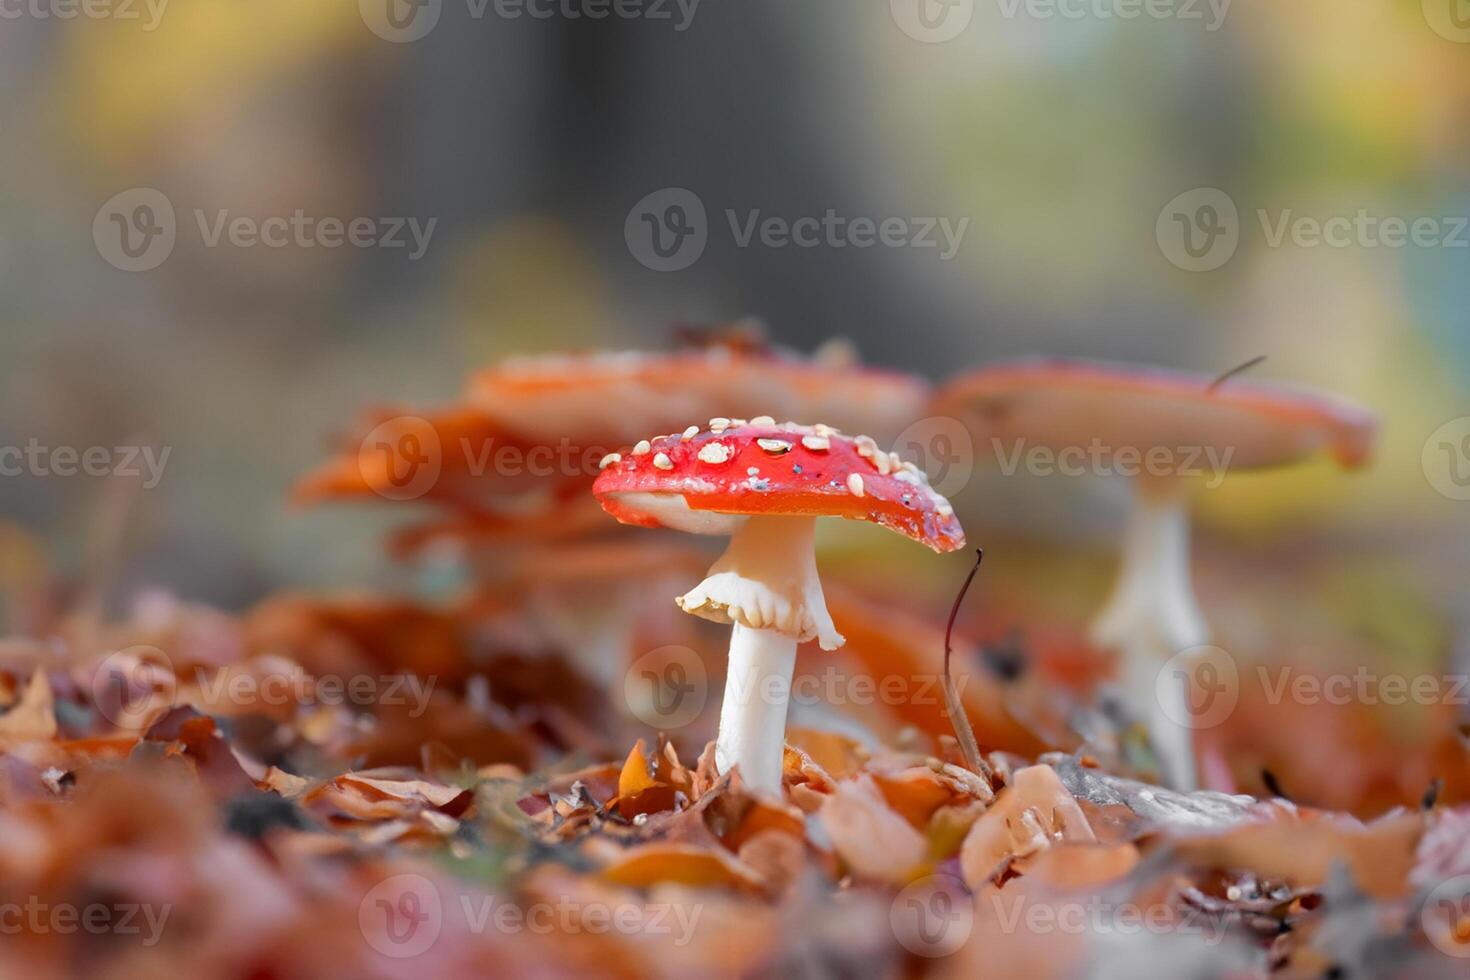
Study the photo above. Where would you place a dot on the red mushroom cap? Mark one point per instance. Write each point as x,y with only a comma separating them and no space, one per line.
1067,403
707,481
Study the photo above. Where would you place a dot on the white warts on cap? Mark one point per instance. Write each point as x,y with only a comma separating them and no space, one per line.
714,452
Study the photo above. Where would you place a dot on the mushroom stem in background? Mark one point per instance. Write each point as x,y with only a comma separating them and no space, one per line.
1151,616
1154,596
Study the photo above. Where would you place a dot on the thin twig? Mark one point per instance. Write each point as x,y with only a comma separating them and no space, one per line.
952,705
1238,369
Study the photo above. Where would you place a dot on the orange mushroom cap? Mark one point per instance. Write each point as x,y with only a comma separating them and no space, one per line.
618,396
455,447
1064,403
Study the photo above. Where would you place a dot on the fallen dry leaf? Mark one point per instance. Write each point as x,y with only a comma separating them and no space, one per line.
1031,814
872,838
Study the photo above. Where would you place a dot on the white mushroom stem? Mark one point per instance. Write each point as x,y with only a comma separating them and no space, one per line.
766,586
753,714
1152,615
1154,596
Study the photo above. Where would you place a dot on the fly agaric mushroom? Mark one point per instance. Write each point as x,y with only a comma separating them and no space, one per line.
764,485
1184,422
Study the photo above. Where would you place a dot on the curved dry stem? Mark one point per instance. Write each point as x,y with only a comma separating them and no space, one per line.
952,704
